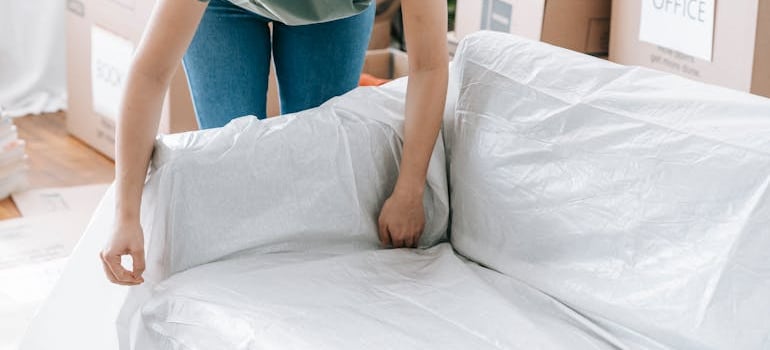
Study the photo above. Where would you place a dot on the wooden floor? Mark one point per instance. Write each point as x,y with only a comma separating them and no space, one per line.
56,158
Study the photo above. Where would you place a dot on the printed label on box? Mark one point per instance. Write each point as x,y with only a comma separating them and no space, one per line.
686,26
110,60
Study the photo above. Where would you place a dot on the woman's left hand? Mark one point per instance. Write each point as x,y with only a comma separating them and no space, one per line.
402,220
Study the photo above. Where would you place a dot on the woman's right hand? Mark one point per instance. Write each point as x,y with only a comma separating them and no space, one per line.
165,40
127,239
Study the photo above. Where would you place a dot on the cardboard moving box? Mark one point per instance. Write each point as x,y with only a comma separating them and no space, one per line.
579,25
101,37
386,63
740,48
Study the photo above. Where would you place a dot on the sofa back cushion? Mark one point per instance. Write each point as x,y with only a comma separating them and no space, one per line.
312,181
638,198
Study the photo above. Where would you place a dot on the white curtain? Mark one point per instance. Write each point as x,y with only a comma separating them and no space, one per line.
32,56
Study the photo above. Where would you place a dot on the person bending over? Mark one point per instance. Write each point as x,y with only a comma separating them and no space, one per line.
318,47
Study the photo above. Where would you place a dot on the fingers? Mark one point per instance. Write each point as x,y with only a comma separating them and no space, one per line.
115,272
401,221
409,242
398,238
138,268
111,276
405,239
107,271
416,241
382,231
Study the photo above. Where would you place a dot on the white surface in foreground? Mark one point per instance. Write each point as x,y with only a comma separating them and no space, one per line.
81,310
34,250
78,199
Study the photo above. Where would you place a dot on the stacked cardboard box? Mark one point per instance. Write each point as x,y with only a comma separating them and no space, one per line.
580,25
13,160
719,42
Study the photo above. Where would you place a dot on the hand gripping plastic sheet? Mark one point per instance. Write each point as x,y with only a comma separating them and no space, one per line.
309,182
639,199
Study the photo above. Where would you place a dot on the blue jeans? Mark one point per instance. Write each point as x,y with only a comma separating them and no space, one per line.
227,63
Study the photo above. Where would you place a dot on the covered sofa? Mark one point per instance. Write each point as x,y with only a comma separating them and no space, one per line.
571,203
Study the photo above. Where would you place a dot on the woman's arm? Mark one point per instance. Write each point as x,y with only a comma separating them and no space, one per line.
425,24
165,40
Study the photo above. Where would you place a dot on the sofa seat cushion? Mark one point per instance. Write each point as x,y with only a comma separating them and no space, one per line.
390,299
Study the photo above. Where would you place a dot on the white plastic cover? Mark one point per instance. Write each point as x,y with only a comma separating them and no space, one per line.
308,182
609,208
312,181
639,199
383,299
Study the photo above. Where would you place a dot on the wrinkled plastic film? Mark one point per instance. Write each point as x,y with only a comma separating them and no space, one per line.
639,199
594,206
310,182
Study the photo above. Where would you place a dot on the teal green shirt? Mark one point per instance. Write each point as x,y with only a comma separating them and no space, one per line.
299,12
